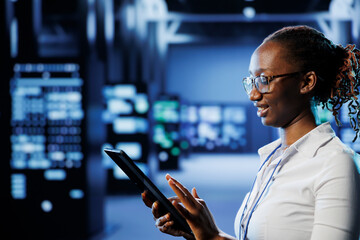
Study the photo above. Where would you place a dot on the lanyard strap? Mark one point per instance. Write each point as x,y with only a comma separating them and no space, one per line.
257,201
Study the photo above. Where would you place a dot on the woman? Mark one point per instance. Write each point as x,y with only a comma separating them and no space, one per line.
307,186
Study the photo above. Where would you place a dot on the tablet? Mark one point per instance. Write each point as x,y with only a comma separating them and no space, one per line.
144,183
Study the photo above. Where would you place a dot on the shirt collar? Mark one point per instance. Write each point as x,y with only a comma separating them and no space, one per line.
306,145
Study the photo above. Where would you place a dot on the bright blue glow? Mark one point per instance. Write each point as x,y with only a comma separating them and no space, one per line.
109,20
119,106
18,186
347,135
55,174
324,115
142,125
73,97
344,114
235,114
211,114
249,12
19,164
215,127
107,161
46,117
74,156
133,149
141,104
233,132
21,91
57,156
166,111
123,106
14,38
192,115
124,91
48,67
125,125
130,17
163,156
130,125
208,131
57,115
108,117
39,163
91,22
53,82
76,193
64,97
46,206
77,114
119,174
357,161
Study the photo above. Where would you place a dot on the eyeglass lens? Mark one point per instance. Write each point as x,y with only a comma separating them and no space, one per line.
260,82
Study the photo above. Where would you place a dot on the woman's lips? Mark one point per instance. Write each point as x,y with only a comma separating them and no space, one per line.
262,111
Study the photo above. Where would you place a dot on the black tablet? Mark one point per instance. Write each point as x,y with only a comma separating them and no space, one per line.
144,183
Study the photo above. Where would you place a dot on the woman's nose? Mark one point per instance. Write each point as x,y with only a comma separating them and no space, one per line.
255,95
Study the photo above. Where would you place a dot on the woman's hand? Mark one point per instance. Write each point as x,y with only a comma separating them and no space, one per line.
191,207
194,210
163,221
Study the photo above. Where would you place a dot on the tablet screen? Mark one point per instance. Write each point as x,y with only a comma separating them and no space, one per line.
144,183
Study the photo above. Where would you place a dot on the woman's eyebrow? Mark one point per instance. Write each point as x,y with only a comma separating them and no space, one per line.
257,70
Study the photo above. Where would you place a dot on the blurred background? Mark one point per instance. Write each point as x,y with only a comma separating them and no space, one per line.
160,79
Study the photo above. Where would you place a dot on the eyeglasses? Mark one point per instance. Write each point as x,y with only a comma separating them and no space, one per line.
261,82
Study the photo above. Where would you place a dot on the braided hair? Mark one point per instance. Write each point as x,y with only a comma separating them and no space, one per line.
337,69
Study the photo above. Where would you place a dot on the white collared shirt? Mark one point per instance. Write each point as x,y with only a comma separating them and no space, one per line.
314,193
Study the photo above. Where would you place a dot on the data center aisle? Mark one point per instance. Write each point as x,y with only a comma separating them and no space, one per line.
222,180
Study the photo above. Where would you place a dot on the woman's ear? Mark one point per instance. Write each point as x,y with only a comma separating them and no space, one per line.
308,83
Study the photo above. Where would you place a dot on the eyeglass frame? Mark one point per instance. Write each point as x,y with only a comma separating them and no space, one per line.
268,79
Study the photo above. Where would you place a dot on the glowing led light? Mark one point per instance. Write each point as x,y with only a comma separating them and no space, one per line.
125,125
46,206
55,174
184,144
124,91
18,186
249,12
175,151
119,106
163,156
76,193
141,104
14,38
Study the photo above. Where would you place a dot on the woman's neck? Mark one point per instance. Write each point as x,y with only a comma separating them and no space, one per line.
299,127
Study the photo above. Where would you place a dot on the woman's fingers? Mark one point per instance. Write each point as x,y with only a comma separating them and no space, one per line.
165,225
155,209
194,193
173,198
163,220
146,199
166,228
183,211
178,185
184,195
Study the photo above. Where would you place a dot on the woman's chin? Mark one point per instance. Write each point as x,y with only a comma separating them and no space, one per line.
267,122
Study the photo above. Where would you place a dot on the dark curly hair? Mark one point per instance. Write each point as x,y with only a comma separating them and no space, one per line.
337,69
